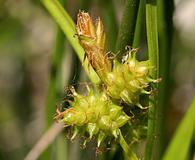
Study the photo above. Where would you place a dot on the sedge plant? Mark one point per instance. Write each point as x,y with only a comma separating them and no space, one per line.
124,92
101,113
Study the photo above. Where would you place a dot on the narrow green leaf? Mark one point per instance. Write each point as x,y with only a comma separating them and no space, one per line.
110,20
180,144
128,151
165,29
153,50
127,27
139,24
68,27
61,148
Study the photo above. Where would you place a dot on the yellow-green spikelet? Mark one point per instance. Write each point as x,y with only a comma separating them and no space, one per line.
124,82
129,80
94,114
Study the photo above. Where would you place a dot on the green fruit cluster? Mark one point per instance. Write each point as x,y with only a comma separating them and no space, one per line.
125,81
94,114
99,113
129,80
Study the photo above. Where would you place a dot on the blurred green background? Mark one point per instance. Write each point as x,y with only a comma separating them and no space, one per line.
27,44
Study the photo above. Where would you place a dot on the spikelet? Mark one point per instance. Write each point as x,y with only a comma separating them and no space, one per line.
93,39
94,114
127,81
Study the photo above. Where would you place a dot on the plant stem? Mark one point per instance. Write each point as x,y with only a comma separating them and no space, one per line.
129,153
165,11
109,17
127,27
62,148
152,39
68,27
139,24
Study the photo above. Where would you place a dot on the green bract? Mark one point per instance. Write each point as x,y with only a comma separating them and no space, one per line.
94,114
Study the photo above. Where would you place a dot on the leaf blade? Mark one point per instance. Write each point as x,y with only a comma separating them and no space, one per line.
179,146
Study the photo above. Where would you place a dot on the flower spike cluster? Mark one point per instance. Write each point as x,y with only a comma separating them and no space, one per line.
124,82
130,80
99,113
94,114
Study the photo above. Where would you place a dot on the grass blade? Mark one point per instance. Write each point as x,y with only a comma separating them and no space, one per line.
165,29
127,27
128,152
152,39
180,144
139,24
111,25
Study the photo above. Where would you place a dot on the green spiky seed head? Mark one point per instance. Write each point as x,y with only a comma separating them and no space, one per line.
94,114
129,80
125,81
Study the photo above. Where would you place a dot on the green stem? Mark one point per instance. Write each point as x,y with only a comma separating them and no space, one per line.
152,39
62,148
165,11
109,17
127,27
68,27
129,153
139,24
